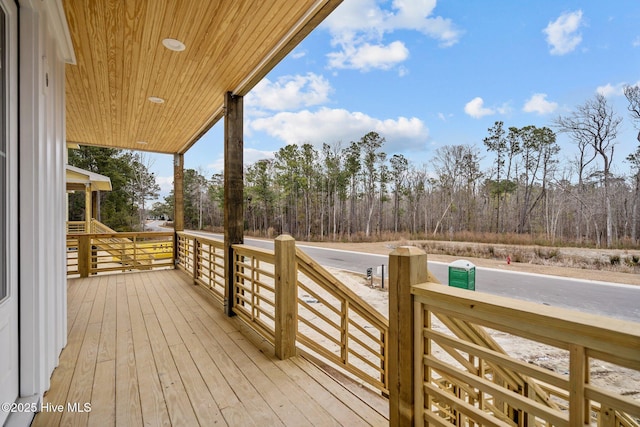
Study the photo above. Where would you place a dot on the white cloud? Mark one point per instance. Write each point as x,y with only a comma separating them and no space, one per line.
289,92
475,108
504,109
165,183
636,42
415,15
610,90
297,54
562,34
251,155
367,56
358,28
538,104
334,125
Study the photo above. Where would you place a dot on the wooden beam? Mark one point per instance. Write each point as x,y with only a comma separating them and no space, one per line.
233,189
71,186
87,208
286,296
178,192
95,205
407,267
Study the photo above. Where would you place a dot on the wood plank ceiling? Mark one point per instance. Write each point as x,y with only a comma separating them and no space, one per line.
121,62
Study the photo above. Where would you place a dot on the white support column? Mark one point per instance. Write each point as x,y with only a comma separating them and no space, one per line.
31,224
42,195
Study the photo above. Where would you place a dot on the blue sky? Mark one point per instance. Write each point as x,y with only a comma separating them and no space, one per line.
427,73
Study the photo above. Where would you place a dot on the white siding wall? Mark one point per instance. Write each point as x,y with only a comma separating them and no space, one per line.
42,198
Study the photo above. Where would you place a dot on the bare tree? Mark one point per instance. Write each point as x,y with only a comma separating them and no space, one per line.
416,190
537,147
633,96
372,158
634,160
144,186
399,168
594,126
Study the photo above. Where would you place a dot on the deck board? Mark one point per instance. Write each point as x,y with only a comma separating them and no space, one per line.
151,348
128,409
103,396
154,408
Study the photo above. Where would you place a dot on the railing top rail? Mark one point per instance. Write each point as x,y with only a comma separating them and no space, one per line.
618,339
123,234
252,250
200,238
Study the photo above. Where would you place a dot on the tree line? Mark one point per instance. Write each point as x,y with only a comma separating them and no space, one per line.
134,185
358,191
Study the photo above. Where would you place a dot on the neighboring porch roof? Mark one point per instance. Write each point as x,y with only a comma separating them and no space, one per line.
78,178
121,62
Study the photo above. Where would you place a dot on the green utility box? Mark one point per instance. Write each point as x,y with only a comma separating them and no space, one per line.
462,274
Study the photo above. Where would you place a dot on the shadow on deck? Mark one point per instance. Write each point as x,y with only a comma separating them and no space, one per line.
152,349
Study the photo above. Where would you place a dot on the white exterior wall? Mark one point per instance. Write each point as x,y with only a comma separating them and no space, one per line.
42,195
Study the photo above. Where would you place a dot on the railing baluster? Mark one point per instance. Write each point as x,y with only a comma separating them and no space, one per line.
579,407
196,259
344,331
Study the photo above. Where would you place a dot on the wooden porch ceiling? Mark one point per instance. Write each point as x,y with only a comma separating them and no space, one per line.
121,62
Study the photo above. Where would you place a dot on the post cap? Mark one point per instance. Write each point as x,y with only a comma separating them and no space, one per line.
284,237
407,251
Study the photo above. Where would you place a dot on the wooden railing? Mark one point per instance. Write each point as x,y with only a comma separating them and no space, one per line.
434,357
204,259
72,255
294,303
448,371
255,289
340,326
103,252
76,227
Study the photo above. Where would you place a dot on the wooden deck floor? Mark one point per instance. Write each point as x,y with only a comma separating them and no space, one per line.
152,349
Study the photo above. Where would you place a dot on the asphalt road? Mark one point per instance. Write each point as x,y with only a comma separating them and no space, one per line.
607,299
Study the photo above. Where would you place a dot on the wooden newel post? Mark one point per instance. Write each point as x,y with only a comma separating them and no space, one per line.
286,285
407,267
84,255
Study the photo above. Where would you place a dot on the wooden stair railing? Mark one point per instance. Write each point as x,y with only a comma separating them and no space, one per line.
119,247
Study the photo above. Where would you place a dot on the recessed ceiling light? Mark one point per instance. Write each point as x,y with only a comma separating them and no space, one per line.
142,142
173,44
156,100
